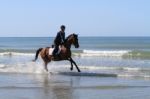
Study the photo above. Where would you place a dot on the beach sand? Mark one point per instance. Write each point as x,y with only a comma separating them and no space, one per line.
56,86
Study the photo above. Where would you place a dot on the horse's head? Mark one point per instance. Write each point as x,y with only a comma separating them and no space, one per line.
73,39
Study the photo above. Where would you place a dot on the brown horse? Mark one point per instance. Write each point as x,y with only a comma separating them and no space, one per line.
65,52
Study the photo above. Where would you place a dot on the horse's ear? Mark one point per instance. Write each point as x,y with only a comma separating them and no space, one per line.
74,34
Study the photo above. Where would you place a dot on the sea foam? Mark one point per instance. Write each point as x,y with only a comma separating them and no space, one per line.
103,53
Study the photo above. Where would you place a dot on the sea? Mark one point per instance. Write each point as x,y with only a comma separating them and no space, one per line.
124,56
109,65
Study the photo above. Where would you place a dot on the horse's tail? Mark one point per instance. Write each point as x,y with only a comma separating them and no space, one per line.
37,53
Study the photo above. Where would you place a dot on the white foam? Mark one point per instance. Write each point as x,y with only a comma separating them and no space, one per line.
138,69
38,68
133,76
129,69
84,54
100,68
16,54
2,65
104,53
29,67
132,69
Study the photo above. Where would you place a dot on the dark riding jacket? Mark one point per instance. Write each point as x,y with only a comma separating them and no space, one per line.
59,39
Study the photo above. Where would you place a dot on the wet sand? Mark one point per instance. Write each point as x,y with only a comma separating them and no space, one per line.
56,86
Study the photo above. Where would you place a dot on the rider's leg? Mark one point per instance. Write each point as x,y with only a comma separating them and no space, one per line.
55,52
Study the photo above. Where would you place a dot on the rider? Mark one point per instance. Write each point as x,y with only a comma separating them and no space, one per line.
59,40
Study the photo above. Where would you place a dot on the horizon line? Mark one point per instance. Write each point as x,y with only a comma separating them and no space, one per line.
66,36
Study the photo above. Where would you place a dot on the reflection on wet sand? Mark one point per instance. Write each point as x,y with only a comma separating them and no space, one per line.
58,87
30,86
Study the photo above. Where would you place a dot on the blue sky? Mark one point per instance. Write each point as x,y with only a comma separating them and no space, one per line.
84,17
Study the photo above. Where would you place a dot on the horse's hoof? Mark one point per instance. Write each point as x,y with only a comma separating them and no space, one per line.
33,60
50,73
71,69
46,70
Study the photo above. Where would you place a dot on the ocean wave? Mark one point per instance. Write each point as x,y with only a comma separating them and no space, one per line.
145,76
105,53
103,71
76,53
142,54
16,54
130,69
30,67
90,53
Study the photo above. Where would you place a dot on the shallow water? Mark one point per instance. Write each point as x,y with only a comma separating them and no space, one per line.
37,86
109,65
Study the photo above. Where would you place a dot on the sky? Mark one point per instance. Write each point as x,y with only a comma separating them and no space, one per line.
42,18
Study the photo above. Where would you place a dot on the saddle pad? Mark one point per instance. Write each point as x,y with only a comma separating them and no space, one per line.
51,51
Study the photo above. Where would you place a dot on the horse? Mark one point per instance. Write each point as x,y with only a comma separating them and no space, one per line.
64,54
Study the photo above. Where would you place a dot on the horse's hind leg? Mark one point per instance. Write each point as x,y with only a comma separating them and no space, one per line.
45,64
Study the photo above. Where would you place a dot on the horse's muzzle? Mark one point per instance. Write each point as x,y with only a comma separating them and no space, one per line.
77,46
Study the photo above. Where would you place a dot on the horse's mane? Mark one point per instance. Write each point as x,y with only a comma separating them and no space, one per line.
69,36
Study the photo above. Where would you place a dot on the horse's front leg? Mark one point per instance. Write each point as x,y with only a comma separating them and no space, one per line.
75,64
71,68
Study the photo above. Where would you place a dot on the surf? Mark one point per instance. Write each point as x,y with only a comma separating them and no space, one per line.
143,54
87,71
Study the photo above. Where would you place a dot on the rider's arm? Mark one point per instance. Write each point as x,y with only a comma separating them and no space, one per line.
62,36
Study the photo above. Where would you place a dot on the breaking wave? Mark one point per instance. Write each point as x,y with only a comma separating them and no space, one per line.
90,53
16,54
29,67
104,53
76,53
100,71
